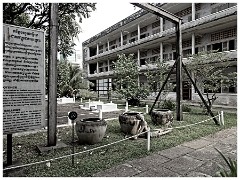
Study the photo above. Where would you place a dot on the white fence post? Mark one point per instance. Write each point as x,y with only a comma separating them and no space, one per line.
89,100
146,109
100,114
222,118
81,100
126,108
219,118
148,139
69,120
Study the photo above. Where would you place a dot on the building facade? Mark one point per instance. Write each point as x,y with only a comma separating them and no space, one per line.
206,26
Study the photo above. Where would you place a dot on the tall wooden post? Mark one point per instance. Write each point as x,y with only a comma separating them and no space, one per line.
179,72
52,75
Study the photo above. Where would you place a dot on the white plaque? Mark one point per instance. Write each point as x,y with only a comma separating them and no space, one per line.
23,79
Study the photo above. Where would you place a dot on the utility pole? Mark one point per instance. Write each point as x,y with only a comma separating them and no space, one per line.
52,75
179,71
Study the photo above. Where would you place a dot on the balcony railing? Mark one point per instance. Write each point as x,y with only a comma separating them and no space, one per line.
171,31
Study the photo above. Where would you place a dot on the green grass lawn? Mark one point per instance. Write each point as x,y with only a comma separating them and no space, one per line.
87,164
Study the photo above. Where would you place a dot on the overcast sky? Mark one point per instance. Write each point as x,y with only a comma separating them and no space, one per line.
107,14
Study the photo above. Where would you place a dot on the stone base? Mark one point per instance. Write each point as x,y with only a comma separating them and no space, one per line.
45,149
90,104
107,107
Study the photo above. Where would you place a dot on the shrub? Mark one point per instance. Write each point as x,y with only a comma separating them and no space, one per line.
186,108
86,94
168,104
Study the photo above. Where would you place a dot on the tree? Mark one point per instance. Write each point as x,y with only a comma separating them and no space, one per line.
210,72
126,73
70,79
36,16
156,74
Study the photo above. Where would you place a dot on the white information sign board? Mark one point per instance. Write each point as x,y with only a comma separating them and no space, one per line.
23,79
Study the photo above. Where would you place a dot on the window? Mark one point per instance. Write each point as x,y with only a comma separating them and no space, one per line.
112,42
224,46
143,53
93,87
103,66
174,55
142,61
196,50
132,40
156,31
93,51
93,68
224,34
111,65
101,49
155,24
199,49
217,46
219,7
187,43
155,51
106,45
184,12
144,35
209,47
187,52
232,45
165,57
103,85
143,29
134,33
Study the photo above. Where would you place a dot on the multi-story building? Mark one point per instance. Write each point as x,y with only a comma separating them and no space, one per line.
206,26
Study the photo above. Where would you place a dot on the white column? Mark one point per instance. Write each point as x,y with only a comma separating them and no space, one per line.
161,51
222,118
108,45
193,43
193,11
138,56
121,38
146,109
97,67
139,32
161,24
126,107
108,65
88,68
97,48
148,139
100,113
138,53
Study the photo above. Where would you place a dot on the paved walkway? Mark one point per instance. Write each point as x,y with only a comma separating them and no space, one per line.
197,158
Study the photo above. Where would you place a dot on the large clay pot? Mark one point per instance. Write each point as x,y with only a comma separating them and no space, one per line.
129,122
162,116
90,130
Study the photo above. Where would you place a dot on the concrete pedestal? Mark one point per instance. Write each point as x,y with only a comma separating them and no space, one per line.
107,107
92,104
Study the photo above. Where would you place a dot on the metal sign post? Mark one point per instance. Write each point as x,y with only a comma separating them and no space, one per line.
72,116
9,149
